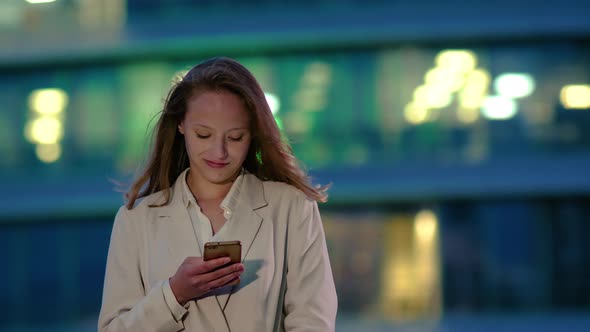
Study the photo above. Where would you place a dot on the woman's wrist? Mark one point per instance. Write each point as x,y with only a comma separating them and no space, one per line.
181,300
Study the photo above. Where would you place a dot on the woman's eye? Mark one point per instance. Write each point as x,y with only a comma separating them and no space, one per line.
203,136
236,139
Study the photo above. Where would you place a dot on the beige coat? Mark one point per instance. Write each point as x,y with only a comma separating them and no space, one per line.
287,284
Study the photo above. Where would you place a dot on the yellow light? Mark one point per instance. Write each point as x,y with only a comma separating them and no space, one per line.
514,85
48,153
420,103
411,269
575,96
479,78
433,96
273,102
425,226
402,285
445,79
48,101
44,130
471,98
415,114
456,60
475,89
467,115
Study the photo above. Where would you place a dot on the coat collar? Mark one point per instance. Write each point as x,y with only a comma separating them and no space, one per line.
251,195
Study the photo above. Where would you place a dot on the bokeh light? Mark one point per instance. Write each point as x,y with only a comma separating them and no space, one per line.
461,61
44,130
425,226
48,101
499,108
475,89
273,102
48,153
433,96
514,85
575,96
415,114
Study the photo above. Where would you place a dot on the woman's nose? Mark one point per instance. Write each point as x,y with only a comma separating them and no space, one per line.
220,149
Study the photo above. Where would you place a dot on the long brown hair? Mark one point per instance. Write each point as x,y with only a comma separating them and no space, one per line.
269,157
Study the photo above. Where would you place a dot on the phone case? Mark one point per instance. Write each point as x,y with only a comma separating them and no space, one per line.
231,249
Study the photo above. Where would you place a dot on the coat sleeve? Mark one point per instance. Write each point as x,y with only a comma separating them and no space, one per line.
126,306
310,298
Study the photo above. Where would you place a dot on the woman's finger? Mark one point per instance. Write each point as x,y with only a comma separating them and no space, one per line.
234,276
210,265
217,274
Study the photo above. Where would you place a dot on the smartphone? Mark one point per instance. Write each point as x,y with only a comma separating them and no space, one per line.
231,249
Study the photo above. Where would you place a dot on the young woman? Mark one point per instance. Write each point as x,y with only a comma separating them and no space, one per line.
219,171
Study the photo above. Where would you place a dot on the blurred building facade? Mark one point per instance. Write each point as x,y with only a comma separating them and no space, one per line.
456,136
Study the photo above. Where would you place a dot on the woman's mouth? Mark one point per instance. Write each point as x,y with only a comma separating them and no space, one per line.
216,164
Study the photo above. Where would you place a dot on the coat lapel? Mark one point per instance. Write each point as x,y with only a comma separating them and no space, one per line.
246,221
183,243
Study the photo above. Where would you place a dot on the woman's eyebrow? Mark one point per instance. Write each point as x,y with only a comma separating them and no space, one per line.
207,127
200,125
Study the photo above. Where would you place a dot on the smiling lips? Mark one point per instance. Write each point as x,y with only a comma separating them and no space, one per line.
215,164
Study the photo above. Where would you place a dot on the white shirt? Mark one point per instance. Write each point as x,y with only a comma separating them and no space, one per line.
201,223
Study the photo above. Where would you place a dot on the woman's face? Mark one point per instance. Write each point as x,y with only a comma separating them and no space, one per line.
216,130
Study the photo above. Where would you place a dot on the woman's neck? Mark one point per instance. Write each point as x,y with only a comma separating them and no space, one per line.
206,191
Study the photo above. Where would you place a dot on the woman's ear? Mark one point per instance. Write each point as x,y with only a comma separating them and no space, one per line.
181,127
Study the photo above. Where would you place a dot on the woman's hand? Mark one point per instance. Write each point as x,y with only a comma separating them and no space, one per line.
196,277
